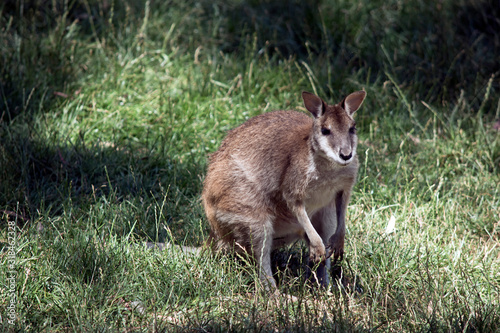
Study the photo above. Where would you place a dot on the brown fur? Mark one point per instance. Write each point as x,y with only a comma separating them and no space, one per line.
283,176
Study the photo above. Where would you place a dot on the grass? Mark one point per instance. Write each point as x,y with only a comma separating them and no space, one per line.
108,111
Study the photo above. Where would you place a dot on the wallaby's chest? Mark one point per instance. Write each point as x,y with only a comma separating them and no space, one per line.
325,184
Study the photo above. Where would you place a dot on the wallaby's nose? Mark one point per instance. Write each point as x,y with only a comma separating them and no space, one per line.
345,157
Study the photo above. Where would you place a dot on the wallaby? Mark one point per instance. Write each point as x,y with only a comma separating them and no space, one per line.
282,176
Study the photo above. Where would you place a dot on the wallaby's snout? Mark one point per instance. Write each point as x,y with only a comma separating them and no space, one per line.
348,150
345,157
282,176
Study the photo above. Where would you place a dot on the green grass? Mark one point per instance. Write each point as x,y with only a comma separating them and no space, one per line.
109,109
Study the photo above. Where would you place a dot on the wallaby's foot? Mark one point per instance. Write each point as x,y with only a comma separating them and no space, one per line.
268,283
279,299
286,297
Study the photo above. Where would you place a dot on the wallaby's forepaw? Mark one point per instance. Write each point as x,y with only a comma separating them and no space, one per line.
317,253
336,247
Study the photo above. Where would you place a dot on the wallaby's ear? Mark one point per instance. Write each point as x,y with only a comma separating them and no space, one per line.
352,102
313,104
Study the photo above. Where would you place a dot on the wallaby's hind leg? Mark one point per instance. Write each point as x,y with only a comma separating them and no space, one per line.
262,245
251,234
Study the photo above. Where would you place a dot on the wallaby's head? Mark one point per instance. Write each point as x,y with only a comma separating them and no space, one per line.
334,130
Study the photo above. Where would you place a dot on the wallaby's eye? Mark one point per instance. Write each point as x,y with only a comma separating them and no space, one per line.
325,131
352,130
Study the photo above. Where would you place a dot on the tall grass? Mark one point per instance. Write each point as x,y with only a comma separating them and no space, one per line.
108,111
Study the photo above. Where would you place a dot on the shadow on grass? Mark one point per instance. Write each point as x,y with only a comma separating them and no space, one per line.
39,179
